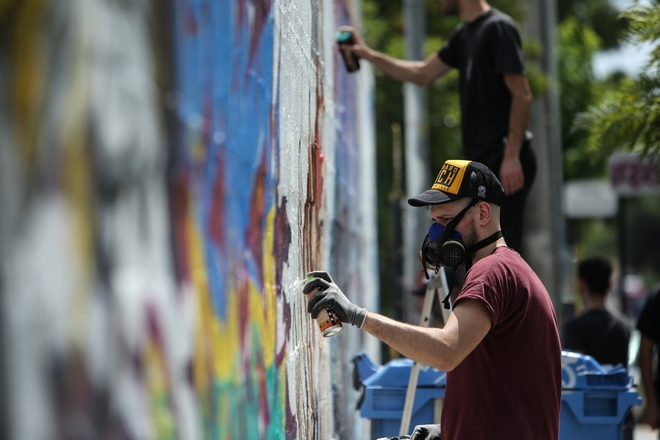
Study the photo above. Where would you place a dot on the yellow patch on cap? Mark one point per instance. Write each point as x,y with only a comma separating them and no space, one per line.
450,176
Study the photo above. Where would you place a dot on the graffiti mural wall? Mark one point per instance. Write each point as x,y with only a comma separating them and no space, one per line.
169,172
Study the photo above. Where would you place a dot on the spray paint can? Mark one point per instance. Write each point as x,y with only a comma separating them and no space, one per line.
351,61
328,322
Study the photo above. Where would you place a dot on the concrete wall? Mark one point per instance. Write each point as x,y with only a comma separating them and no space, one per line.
169,172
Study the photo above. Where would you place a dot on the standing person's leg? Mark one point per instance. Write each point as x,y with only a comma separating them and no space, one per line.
629,427
513,209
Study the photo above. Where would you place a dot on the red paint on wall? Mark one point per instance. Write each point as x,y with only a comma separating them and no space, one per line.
316,149
190,21
282,237
255,233
179,193
243,299
217,221
260,12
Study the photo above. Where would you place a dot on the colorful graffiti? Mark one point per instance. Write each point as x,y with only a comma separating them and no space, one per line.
224,177
164,190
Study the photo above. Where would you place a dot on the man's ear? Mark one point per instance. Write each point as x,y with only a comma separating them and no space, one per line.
485,212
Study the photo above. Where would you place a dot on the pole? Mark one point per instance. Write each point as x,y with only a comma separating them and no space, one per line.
416,150
544,236
397,206
623,259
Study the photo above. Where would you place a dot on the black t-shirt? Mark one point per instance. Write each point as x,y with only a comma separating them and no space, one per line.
483,50
599,334
648,324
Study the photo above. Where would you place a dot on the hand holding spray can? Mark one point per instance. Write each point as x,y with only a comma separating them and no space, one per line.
351,61
328,322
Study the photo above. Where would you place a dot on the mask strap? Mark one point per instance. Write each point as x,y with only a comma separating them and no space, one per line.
469,251
456,220
481,244
485,242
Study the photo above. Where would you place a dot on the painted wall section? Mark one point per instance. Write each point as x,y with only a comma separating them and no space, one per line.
169,172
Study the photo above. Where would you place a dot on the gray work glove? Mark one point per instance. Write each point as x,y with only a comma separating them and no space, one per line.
325,294
426,432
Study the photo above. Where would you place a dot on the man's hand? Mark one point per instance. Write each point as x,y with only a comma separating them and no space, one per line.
511,174
426,432
325,294
421,73
358,47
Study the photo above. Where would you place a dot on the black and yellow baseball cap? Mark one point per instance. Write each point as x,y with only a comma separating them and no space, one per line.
462,178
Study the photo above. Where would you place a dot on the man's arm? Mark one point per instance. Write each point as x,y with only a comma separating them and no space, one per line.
419,72
511,173
443,348
650,414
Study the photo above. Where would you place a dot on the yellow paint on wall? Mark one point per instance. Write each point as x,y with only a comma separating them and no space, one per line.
226,342
158,385
28,57
217,343
77,186
203,324
266,306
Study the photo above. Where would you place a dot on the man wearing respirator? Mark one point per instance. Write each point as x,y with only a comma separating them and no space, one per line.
500,346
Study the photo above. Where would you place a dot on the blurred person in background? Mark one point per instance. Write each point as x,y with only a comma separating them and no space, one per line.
597,332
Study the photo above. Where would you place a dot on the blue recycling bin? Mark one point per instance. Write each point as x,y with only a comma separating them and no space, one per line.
384,394
595,399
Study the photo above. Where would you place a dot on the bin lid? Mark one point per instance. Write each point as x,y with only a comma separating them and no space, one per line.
583,372
396,373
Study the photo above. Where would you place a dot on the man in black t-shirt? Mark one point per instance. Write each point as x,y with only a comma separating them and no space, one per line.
597,332
494,93
648,325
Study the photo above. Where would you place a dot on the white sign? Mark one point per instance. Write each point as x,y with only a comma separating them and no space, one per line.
630,175
589,199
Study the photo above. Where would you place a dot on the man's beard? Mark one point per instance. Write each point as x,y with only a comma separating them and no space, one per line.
471,236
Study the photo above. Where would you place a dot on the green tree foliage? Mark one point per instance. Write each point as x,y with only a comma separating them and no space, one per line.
579,89
599,15
629,119
624,115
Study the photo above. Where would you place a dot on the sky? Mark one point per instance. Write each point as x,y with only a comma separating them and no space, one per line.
628,59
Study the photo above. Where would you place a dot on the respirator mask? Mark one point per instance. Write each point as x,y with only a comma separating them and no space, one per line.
443,246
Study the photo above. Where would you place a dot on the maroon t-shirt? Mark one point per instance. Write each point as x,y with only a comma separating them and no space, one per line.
509,387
